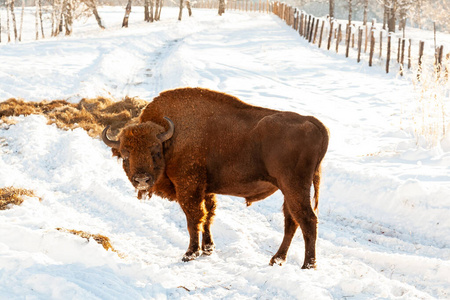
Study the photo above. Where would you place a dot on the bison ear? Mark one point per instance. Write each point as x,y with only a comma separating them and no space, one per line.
169,133
115,152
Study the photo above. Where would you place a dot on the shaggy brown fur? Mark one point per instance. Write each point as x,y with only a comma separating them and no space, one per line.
90,114
100,239
13,196
222,145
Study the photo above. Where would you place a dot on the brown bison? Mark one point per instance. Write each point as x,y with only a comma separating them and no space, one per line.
193,143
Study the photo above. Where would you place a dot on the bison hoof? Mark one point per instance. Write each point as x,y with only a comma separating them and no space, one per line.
309,265
190,255
208,249
277,261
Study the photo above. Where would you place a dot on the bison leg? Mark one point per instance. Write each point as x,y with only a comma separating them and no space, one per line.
298,202
290,227
193,205
208,242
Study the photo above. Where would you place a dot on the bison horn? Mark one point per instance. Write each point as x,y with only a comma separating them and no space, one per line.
168,134
108,142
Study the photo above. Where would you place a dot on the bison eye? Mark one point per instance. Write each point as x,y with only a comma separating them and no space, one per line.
156,151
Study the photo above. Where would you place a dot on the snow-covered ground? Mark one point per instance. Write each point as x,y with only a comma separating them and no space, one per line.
384,229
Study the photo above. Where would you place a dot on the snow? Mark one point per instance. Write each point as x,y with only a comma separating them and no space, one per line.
384,229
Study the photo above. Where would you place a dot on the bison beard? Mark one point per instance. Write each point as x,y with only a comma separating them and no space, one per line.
193,143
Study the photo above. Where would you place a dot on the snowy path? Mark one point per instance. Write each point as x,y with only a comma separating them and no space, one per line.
384,228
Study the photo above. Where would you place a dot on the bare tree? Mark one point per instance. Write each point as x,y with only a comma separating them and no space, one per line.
366,8
68,16
181,10
392,9
13,17
57,17
36,4
40,18
331,8
127,14
7,21
21,21
188,6
147,12
158,10
350,12
93,6
221,7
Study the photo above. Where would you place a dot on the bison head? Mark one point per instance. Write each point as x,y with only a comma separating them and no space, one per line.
141,149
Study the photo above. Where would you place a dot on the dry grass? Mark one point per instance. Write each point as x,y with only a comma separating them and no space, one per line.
100,239
13,196
431,114
90,114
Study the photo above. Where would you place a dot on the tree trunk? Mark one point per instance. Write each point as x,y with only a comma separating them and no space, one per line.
385,13
402,19
366,8
221,7
391,19
53,18
36,3
7,21
13,16
331,9
21,21
68,16
181,10
152,3
58,9
188,5
92,5
419,13
160,8
127,14
350,12
97,17
40,18
146,11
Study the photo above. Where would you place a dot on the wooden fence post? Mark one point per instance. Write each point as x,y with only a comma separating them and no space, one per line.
402,56
367,35
381,43
315,30
295,19
321,32
440,54
372,47
301,24
360,35
399,49
311,31
307,26
421,46
338,38
331,34
353,37
388,53
409,54
349,29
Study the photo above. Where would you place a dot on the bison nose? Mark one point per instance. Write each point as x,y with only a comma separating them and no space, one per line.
142,181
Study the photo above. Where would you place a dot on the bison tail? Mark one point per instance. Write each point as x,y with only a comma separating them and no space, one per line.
316,183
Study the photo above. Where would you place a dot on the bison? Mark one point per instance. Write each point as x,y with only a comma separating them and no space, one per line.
193,143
